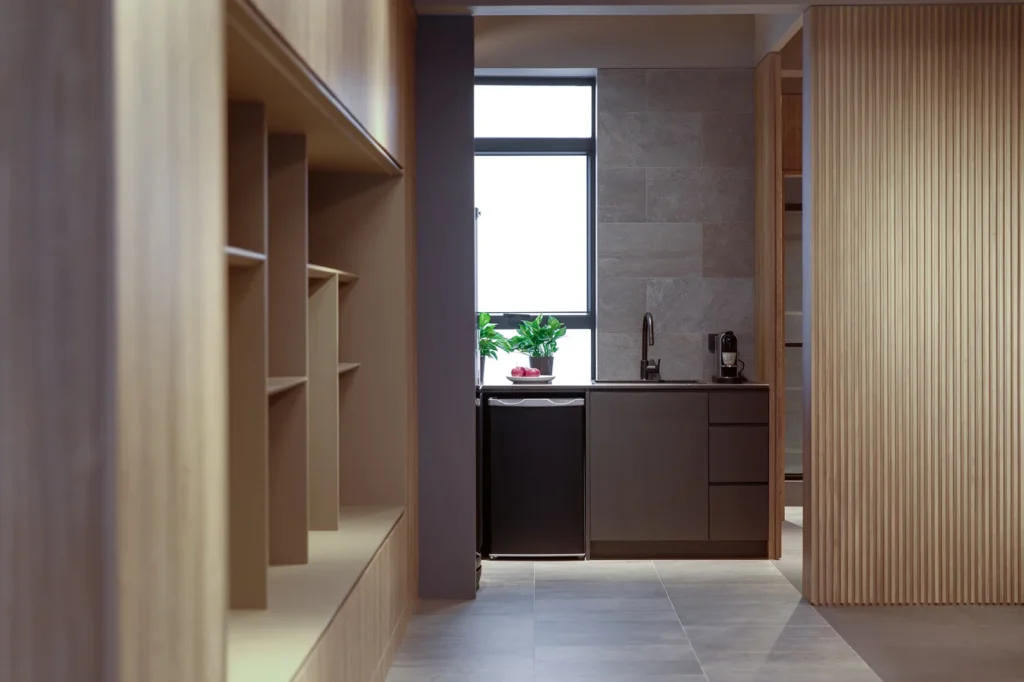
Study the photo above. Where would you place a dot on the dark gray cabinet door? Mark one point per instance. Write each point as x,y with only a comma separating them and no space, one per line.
648,466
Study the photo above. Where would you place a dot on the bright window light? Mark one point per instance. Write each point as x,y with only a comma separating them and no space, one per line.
533,111
532,233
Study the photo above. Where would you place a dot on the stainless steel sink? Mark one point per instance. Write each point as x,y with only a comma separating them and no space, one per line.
641,381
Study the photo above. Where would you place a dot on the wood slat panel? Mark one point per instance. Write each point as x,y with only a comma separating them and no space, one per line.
769,275
913,289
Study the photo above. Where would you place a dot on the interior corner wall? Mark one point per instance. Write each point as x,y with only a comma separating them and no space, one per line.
913,190
446,329
615,42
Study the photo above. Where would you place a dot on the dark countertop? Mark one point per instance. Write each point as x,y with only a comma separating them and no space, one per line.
556,387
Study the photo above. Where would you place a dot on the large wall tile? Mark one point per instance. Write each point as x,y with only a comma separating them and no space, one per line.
618,300
728,250
648,250
728,139
675,147
700,90
650,139
621,90
700,195
702,305
618,356
621,194
682,355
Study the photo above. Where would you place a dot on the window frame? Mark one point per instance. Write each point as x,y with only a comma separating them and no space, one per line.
555,146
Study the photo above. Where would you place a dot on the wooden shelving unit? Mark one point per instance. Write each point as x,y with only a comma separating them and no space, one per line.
320,489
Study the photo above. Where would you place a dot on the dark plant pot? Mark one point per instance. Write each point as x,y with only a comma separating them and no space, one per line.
545,365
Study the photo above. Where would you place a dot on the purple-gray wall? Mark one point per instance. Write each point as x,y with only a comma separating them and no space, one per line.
446,329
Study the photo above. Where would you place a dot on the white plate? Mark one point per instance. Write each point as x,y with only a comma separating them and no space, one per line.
542,379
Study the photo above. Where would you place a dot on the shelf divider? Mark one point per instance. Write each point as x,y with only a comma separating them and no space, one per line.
287,254
323,404
248,417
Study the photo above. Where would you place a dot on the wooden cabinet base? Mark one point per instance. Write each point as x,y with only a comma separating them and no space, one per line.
678,550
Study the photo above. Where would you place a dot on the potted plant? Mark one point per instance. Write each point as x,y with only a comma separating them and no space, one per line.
490,341
538,339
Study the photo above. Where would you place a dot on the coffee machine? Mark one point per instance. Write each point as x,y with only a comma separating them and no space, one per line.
728,366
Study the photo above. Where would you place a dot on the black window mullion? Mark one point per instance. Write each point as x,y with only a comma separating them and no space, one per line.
538,146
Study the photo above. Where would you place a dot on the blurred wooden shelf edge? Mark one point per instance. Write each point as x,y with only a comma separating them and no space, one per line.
243,258
345,367
321,272
277,385
307,604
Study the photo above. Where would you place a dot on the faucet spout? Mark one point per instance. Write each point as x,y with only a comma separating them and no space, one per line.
649,371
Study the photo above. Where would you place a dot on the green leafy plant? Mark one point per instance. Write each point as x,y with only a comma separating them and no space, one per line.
490,340
538,338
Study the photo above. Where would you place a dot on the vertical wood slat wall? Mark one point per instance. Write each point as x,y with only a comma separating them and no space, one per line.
769,276
914,297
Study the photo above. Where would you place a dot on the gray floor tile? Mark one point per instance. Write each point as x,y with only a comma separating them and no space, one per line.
596,660
479,673
710,642
601,632
752,614
622,676
618,590
660,615
597,606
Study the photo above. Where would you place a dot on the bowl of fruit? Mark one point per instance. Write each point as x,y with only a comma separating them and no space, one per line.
529,375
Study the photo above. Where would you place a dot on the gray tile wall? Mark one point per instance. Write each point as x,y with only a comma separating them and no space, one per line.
675,203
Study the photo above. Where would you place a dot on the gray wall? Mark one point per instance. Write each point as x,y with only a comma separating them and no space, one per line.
445,303
675,204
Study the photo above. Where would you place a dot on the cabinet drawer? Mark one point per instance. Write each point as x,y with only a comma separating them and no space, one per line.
738,454
738,407
739,512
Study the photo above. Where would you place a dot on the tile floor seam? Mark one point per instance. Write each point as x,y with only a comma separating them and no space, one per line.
680,621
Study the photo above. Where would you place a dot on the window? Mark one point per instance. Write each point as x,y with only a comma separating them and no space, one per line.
535,228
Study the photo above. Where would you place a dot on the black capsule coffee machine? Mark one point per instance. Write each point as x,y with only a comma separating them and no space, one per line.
728,366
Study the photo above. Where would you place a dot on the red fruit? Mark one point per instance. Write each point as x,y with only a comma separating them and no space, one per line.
518,372
532,372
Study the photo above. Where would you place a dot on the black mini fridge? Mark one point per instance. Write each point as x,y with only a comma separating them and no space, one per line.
536,477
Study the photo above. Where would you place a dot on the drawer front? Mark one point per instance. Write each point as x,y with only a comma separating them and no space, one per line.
738,407
739,512
738,454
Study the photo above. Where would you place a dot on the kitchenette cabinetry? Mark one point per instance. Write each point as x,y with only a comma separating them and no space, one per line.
679,473
648,466
669,471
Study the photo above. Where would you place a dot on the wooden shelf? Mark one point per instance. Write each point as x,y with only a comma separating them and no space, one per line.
271,645
345,367
262,67
243,258
280,384
321,272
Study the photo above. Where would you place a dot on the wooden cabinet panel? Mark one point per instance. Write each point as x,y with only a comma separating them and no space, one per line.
792,134
739,512
648,466
354,47
738,454
739,407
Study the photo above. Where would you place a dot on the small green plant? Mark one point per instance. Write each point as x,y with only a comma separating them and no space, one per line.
490,340
538,338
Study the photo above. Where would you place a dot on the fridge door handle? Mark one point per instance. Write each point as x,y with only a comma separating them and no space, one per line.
536,402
